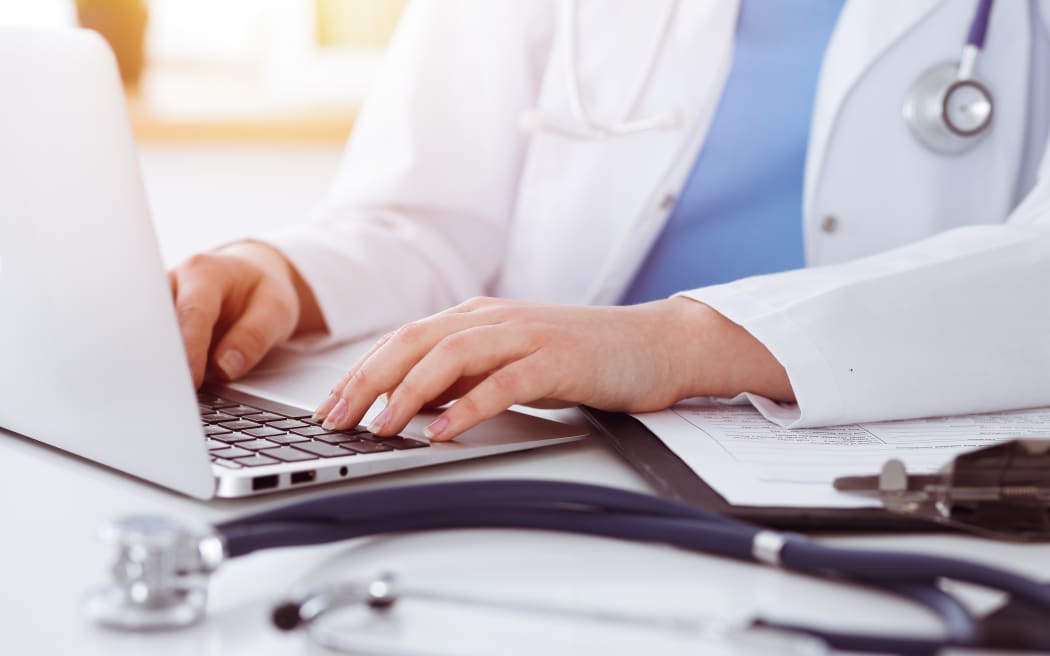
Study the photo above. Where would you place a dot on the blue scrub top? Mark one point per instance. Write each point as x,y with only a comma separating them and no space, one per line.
740,212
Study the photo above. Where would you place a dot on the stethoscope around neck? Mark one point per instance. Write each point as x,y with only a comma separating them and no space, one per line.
947,108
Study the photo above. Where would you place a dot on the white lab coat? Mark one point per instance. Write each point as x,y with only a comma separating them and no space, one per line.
929,297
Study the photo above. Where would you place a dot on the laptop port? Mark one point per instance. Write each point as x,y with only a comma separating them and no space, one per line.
264,482
303,477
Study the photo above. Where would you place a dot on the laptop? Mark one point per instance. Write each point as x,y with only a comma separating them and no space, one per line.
91,359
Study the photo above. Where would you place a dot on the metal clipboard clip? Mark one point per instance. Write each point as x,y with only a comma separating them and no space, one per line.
1000,491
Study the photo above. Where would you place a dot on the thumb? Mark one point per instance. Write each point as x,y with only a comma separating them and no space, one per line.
266,322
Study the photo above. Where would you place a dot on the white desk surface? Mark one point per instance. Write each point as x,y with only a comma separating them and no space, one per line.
53,504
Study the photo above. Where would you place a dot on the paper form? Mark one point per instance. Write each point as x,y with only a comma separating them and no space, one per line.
751,461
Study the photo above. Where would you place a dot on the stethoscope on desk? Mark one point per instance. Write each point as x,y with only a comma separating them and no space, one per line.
947,109
161,570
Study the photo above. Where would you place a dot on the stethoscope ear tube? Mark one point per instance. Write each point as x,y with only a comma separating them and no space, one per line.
961,628
608,512
252,532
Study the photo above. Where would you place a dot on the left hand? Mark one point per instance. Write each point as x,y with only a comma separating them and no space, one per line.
491,354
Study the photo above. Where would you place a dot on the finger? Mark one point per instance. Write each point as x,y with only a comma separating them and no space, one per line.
389,364
472,305
458,389
197,307
265,322
333,395
476,304
470,352
520,381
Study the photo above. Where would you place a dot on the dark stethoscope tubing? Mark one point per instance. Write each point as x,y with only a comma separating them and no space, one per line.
608,512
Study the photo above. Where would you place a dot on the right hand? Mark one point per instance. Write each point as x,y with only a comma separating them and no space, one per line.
234,305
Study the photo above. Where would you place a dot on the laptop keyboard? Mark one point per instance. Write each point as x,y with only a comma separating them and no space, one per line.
242,435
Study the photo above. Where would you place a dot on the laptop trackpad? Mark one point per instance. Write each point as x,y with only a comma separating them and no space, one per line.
307,385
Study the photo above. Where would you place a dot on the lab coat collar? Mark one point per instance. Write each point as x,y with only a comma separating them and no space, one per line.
865,30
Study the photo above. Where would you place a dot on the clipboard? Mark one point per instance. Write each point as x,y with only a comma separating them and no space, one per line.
673,479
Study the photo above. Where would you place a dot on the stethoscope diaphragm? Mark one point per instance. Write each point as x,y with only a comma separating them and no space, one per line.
947,114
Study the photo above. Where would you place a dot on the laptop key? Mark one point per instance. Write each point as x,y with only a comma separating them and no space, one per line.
240,424
324,450
209,399
215,430
214,444
286,424
231,438
265,431
241,410
231,452
402,443
263,417
257,461
288,454
216,417
367,447
310,431
337,438
262,404
365,435
229,464
287,438
257,445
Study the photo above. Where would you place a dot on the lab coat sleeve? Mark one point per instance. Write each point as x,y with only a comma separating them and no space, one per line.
958,323
418,216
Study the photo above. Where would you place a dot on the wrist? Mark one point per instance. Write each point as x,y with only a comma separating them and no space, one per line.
691,331
717,357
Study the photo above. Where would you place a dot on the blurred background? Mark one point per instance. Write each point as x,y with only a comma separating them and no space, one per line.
241,108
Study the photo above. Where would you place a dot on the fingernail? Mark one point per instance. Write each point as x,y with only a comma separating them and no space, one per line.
380,420
231,363
436,427
325,407
337,415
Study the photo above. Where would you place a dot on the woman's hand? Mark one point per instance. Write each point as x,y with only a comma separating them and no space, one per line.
237,303
491,354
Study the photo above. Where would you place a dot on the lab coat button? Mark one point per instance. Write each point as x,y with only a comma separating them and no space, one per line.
668,201
829,224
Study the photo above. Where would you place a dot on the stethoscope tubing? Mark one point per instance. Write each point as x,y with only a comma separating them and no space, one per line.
717,538
721,539
594,510
607,512
713,539
459,495
878,566
978,31
962,630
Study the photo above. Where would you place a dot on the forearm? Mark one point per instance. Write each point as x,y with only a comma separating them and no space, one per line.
953,324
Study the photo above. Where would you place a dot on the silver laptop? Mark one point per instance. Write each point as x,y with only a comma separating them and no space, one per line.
91,359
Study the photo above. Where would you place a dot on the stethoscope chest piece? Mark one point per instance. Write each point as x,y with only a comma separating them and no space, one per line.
159,577
946,113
